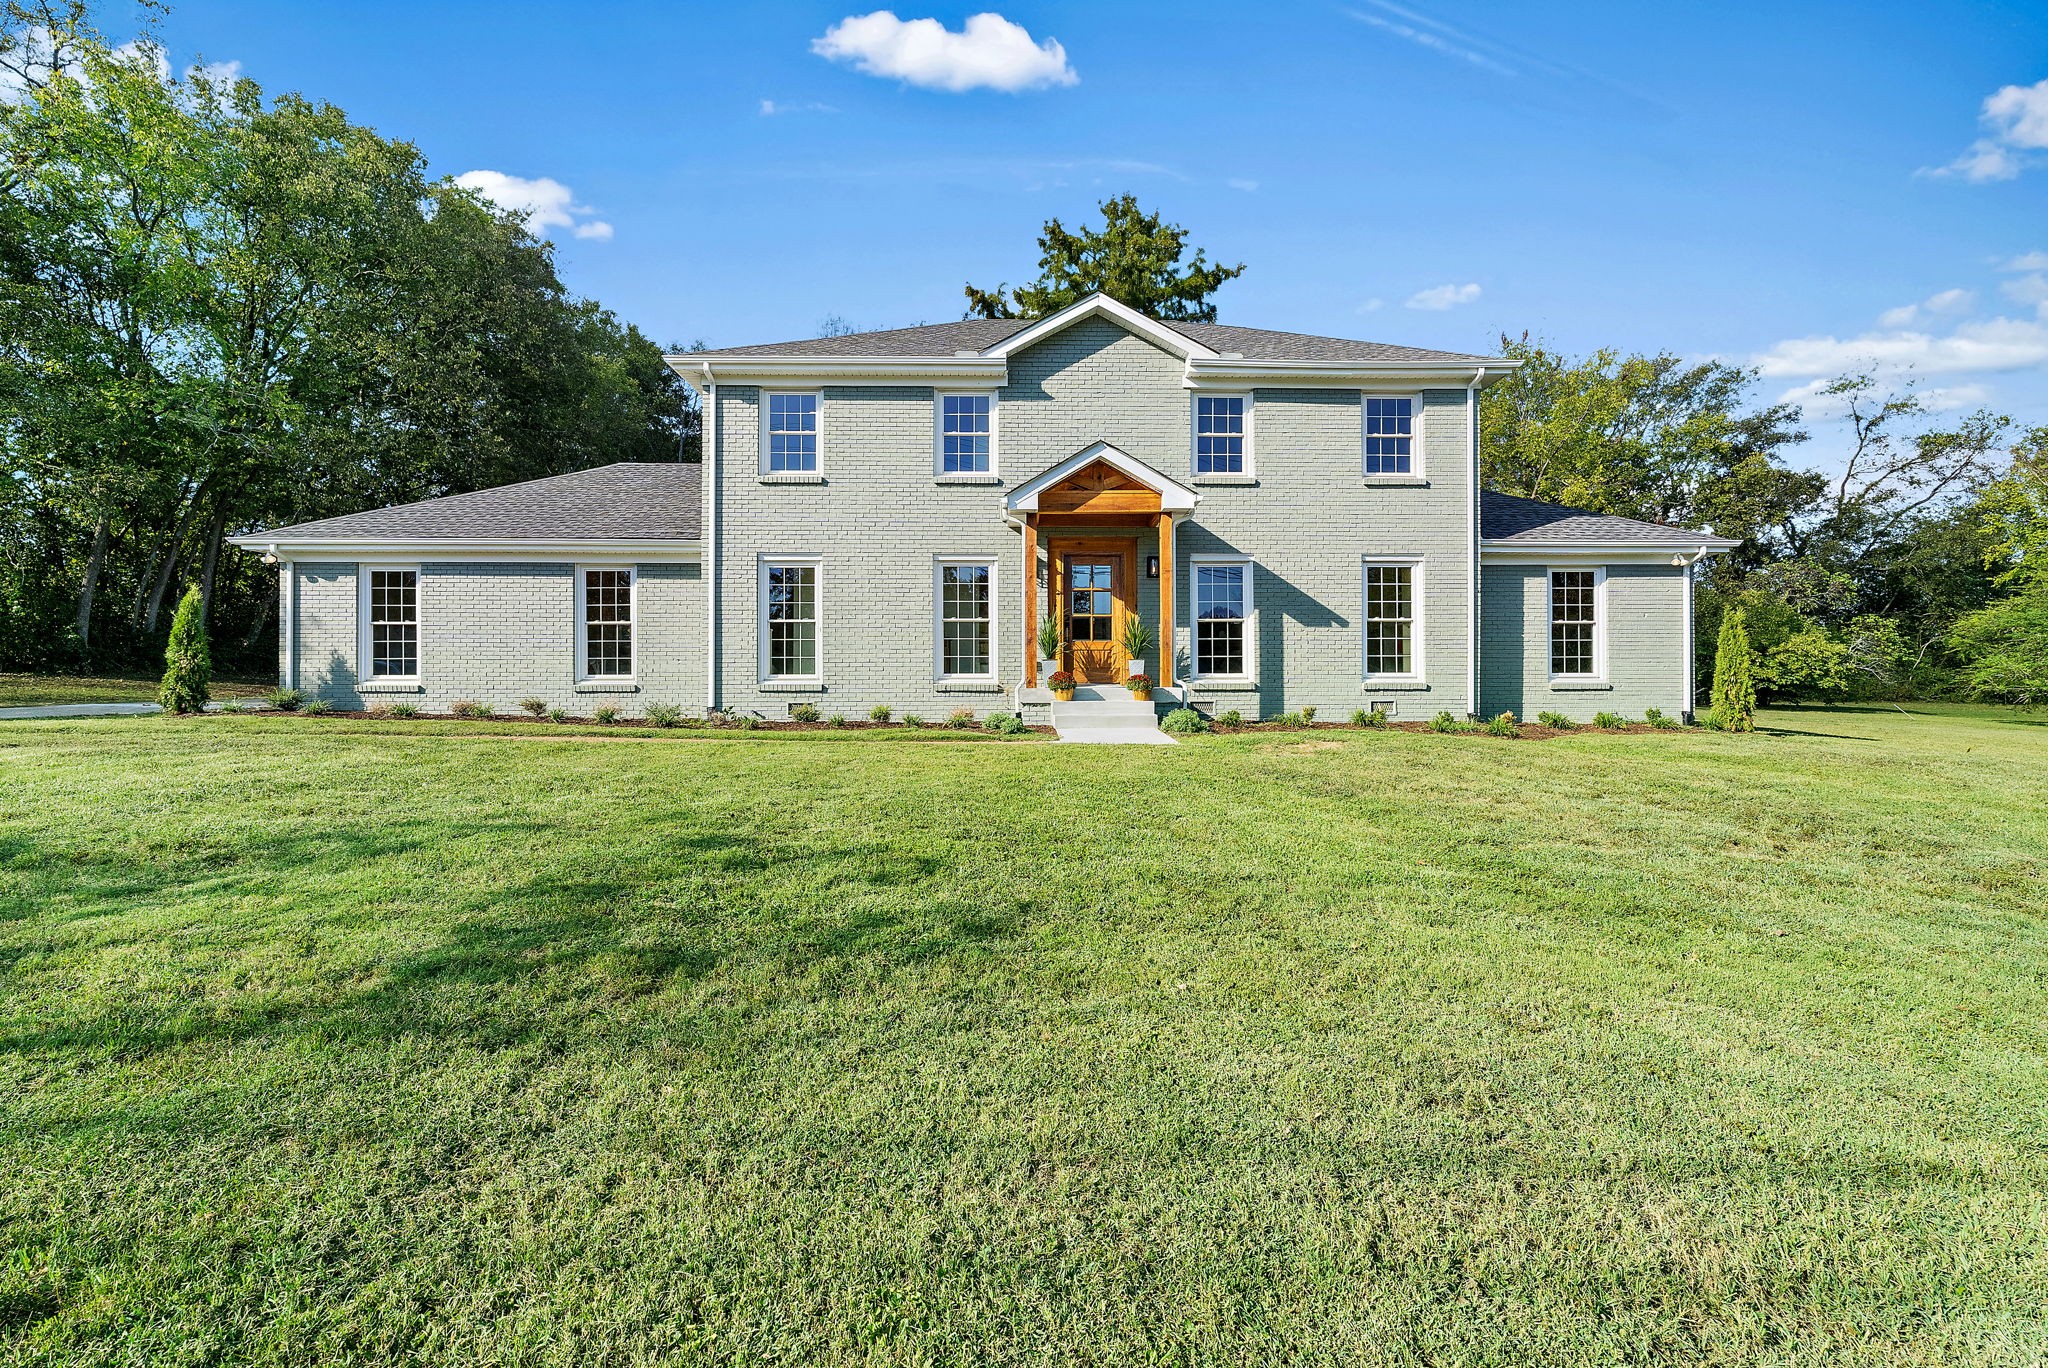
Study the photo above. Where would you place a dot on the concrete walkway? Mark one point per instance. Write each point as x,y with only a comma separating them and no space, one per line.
43,710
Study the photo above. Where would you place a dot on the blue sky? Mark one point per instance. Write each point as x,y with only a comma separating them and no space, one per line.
1795,186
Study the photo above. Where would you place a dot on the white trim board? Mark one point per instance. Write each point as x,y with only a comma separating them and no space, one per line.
1174,497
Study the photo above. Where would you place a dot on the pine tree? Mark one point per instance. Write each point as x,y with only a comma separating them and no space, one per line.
1734,694
188,662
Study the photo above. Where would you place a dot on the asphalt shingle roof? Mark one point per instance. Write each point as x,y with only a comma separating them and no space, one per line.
1509,517
979,334
640,500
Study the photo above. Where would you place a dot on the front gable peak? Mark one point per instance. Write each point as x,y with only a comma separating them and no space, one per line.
1161,335
1104,479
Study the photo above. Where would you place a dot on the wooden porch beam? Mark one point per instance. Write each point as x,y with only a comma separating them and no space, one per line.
1166,613
1030,600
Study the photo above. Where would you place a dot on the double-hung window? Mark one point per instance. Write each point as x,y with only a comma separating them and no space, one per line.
391,619
789,595
1575,648
1220,434
1222,606
604,622
1393,617
966,434
790,434
966,608
1389,435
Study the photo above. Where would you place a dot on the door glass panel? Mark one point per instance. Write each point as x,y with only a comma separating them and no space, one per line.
1089,606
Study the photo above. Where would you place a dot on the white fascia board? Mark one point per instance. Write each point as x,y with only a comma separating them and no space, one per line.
1610,553
1101,306
952,372
1174,497
588,549
1395,377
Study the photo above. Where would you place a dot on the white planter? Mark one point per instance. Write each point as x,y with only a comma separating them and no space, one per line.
1046,669
1138,668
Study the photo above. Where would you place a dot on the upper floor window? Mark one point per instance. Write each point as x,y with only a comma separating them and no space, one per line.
966,632
1223,597
605,623
392,624
1389,435
1219,434
1391,618
1575,623
792,433
966,433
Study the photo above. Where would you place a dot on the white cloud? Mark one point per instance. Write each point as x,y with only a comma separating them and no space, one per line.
1440,297
2015,120
546,203
1993,345
1947,302
1445,40
988,51
2027,261
770,108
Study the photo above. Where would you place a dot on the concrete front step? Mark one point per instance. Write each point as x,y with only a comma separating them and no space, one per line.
1100,716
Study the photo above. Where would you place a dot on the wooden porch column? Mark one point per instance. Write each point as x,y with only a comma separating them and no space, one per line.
1030,600
1166,613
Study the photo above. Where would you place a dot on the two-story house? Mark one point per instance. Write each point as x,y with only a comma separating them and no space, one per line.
885,518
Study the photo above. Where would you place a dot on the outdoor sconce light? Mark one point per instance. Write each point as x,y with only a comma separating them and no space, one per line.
1151,567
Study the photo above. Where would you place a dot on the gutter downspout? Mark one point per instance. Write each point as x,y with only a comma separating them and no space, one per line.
713,567
288,612
1472,548
1686,633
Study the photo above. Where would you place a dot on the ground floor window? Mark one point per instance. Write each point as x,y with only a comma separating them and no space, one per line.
1390,619
607,623
791,592
1575,623
1222,606
966,603
393,601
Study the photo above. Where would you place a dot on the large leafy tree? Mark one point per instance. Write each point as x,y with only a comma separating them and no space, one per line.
1135,258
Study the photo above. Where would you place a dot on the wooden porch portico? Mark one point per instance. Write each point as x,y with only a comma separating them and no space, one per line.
1085,501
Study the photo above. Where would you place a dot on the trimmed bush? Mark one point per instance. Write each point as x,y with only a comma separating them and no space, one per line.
1445,721
1557,721
286,700
1004,724
1376,718
605,715
1184,722
879,713
469,707
1230,719
1503,725
536,708
1609,721
664,714
558,714
836,720
1308,714
1734,692
188,660
803,712
960,718
316,707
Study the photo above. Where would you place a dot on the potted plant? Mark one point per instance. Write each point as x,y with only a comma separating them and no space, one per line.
1049,644
1061,682
1137,641
1140,687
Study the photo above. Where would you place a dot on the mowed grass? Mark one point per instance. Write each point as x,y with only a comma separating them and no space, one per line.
31,690
335,1041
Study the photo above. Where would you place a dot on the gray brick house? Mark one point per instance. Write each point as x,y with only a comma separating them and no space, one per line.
883,518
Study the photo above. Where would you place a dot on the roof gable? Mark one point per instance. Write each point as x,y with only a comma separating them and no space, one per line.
1079,473
1159,334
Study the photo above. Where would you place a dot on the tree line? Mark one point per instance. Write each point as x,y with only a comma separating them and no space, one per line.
221,310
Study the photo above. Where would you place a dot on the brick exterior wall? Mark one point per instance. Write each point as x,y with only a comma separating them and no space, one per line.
1645,627
499,632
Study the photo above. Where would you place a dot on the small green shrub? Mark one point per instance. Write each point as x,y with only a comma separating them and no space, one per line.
1609,721
803,712
188,660
1376,718
960,718
1308,714
836,720
605,715
749,722
469,707
380,711
1657,718
1713,720
231,706
1503,725
1287,721
1230,719
879,713
1446,722
535,708
314,707
286,700
912,721
1184,722
663,714
558,714
402,710
1557,721
1005,724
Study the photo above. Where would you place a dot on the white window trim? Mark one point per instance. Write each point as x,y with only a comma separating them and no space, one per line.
1415,470
1251,619
1417,671
761,567
583,675
817,471
995,428
365,656
1599,675
995,617
1195,470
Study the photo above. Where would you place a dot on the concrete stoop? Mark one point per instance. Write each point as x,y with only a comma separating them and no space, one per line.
1109,716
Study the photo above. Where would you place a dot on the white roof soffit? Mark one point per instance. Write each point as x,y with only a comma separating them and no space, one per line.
1174,497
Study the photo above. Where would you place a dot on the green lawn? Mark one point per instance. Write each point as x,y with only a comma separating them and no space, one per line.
29,690
330,1041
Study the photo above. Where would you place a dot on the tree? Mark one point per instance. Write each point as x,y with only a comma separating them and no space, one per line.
2004,648
2013,514
1734,694
1134,258
188,660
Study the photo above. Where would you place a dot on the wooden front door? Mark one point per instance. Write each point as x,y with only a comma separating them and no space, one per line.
1096,594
